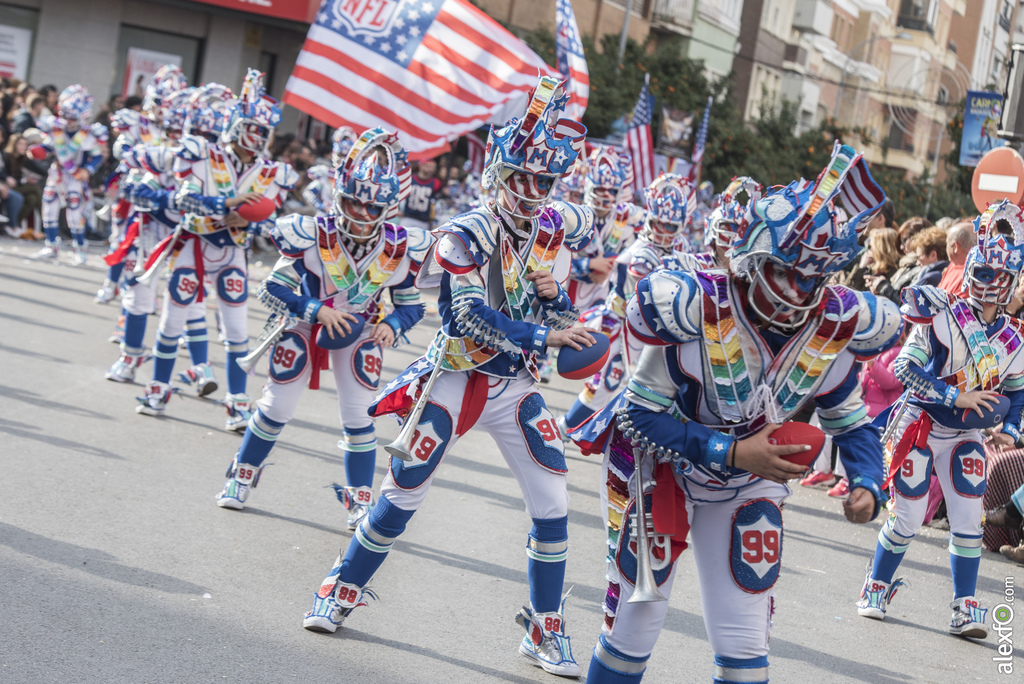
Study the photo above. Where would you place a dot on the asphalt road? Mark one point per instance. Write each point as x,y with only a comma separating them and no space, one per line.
117,566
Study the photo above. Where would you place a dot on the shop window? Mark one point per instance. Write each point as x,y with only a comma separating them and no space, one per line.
148,47
17,29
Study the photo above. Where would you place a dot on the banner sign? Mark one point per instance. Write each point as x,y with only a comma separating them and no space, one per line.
15,44
981,120
141,66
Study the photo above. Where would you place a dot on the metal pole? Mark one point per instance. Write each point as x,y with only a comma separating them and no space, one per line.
625,31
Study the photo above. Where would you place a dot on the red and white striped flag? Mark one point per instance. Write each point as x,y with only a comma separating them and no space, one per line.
476,153
431,70
572,63
639,141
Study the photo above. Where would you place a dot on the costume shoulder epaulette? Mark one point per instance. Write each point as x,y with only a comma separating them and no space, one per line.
879,326
577,222
922,303
632,215
666,308
294,234
286,177
420,242
100,132
193,149
467,241
320,172
47,123
642,257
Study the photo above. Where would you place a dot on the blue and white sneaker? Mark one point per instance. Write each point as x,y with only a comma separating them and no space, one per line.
876,596
155,401
239,409
357,501
243,478
545,643
201,377
333,602
124,368
968,618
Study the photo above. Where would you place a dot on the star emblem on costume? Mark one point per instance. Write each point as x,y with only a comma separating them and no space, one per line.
422,364
719,446
560,156
814,261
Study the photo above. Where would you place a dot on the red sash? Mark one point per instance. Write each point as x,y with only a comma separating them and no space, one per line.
915,436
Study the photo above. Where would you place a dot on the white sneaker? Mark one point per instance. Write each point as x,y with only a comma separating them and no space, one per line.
545,643
124,368
876,596
49,251
157,396
236,490
201,377
79,254
333,602
968,618
107,292
239,409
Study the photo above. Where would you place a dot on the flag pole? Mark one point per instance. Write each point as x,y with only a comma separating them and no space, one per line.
625,31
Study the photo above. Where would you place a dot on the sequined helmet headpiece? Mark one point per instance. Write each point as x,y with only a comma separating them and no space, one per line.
730,212
75,103
167,81
666,209
372,182
792,241
253,117
208,109
993,267
609,178
342,141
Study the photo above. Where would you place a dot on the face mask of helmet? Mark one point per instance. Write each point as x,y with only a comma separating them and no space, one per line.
524,194
662,233
600,199
252,137
781,298
987,285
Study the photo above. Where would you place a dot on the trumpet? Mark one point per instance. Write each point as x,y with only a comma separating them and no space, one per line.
151,272
401,448
645,589
247,362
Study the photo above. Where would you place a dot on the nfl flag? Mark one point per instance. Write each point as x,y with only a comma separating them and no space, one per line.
638,139
431,70
571,62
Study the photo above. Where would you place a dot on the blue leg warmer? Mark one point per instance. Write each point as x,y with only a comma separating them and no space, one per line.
547,549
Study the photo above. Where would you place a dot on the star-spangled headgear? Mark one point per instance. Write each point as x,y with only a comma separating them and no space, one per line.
254,115
666,206
168,80
795,228
74,102
729,213
541,144
569,187
993,267
609,178
124,120
208,109
342,141
178,110
378,184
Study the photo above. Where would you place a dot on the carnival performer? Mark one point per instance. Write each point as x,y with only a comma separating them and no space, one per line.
78,151
607,190
216,179
730,357
319,194
662,222
501,304
146,188
720,227
342,264
132,128
960,353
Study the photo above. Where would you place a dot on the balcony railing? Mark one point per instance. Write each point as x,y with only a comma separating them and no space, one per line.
915,24
677,13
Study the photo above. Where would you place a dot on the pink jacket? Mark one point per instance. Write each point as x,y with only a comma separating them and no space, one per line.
881,388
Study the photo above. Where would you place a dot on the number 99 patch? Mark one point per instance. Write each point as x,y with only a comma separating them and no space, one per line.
232,287
183,286
756,552
967,469
541,433
288,357
367,362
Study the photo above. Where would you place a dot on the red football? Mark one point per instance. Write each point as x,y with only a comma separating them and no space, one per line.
580,365
37,152
799,433
258,211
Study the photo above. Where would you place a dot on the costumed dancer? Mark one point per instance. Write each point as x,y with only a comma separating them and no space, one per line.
499,269
341,265
719,228
421,204
608,191
662,223
319,194
148,187
216,179
78,151
148,127
960,353
729,357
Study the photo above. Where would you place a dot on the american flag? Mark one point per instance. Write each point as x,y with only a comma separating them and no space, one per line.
476,153
571,62
698,156
431,70
638,139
